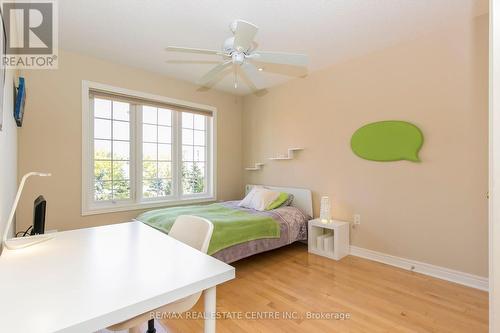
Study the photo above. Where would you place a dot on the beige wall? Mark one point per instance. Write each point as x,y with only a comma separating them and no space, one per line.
8,153
50,139
434,211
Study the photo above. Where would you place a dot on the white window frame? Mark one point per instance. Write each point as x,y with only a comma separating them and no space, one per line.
91,207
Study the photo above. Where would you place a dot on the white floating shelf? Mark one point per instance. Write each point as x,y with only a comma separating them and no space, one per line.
258,166
286,157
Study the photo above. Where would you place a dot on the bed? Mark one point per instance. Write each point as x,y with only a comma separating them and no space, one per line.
241,232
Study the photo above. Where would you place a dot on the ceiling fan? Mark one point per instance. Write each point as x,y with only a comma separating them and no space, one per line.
238,51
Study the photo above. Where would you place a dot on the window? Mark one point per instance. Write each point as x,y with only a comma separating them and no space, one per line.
111,150
194,149
156,152
142,150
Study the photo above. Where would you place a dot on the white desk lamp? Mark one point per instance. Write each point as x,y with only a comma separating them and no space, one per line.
18,243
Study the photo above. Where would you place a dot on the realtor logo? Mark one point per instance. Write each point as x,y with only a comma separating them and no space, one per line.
31,31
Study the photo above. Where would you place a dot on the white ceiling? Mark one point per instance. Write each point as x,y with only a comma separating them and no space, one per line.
135,32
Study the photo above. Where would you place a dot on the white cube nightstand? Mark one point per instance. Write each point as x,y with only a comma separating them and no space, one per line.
336,245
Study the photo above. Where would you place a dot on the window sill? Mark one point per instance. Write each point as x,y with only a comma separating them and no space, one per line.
146,205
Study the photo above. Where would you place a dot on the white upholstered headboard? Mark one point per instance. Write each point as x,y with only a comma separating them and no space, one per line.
302,197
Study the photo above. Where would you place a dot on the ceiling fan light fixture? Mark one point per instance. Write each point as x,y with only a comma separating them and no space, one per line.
239,51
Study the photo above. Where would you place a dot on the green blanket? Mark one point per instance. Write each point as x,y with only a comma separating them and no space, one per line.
231,226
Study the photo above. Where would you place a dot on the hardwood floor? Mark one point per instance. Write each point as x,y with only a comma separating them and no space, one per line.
377,297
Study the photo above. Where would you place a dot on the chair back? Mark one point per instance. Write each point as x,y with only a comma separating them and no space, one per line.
192,230
196,232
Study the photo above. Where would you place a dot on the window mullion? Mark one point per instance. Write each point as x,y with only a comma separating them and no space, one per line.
138,152
177,153
91,161
133,156
157,153
112,158
208,158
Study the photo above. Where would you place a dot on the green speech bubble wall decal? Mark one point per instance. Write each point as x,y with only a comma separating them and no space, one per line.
388,141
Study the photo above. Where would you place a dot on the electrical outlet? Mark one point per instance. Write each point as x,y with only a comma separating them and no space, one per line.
357,219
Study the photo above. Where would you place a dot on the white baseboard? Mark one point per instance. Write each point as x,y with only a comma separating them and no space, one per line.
466,279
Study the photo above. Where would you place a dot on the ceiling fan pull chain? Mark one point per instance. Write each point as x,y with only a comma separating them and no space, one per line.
235,70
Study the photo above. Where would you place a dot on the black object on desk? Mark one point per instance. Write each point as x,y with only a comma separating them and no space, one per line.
39,216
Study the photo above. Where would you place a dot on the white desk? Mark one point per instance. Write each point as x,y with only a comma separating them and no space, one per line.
84,280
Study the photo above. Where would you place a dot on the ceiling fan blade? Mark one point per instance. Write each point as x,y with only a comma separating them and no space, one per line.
253,75
280,58
191,50
210,62
212,74
244,35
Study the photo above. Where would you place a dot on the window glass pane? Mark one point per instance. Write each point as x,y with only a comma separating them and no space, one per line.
187,136
149,133
164,170
199,138
164,117
102,190
157,173
102,149
187,172
111,150
149,152
187,187
187,153
121,150
148,114
102,170
198,178
121,130
187,120
150,188
121,190
121,170
102,129
164,152
149,170
193,150
164,187
164,134
199,154
102,108
199,168
121,111
199,122
193,178
187,169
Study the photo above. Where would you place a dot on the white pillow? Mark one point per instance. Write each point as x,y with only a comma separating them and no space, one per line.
247,200
259,198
